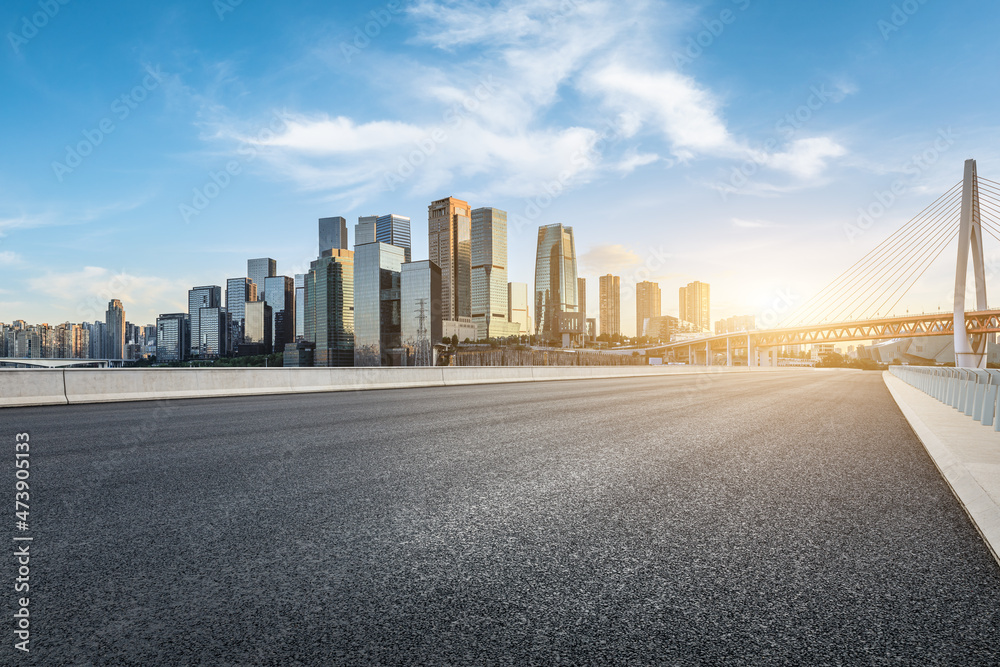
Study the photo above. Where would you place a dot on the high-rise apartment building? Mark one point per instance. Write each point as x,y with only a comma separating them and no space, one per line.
735,324
648,304
238,292
611,306
694,305
172,337
420,311
489,273
377,322
449,230
329,308
332,234
394,230
517,308
114,319
259,269
555,279
280,292
206,296
581,297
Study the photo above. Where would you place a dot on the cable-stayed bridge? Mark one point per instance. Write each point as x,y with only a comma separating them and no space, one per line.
856,305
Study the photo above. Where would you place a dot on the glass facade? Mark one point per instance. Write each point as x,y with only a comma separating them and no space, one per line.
257,330
449,230
420,311
300,306
377,269
329,308
206,296
214,325
394,230
489,272
238,292
332,234
555,279
517,307
364,231
281,297
259,269
172,331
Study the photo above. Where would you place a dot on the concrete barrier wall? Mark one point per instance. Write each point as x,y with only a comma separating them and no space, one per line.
71,386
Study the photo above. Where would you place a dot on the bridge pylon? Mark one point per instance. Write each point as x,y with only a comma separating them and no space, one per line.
970,352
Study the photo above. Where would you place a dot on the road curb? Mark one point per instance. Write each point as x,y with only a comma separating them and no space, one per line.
935,424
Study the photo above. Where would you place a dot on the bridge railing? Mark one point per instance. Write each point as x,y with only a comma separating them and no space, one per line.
975,393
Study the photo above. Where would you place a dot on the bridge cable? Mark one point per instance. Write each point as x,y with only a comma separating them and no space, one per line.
900,239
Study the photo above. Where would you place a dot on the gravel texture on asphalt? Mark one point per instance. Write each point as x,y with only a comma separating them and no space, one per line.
739,519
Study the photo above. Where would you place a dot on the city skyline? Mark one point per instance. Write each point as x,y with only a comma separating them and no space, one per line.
825,139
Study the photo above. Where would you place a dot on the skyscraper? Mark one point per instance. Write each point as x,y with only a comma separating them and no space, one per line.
377,323
581,297
332,234
214,325
281,297
489,273
611,310
206,296
257,329
694,305
238,292
420,311
394,230
172,337
517,307
648,302
300,305
555,279
449,229
364,231
114,318
259,269
329,316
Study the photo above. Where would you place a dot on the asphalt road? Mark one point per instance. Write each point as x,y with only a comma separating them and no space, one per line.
788,518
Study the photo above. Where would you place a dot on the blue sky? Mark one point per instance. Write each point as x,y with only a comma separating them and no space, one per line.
626,120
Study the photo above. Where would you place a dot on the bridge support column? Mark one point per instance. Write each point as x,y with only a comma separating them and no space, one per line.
751,352
708,353
729,351
969,354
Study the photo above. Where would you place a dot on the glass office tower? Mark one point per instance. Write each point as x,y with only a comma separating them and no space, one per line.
281,297
114,319
420,311
259,269
214,326
238,292
257,328
555,279
332,234
449,231
172,332
300,306
394,230
206,296
329,308
377,269
364,231
489,272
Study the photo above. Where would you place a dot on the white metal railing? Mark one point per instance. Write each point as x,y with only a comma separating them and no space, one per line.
975,393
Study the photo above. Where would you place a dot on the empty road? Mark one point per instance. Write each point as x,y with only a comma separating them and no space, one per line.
750,519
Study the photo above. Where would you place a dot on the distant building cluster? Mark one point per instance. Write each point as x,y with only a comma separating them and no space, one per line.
374,305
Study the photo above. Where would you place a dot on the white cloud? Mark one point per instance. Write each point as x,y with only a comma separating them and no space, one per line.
806,158
83,295
9,258
603,259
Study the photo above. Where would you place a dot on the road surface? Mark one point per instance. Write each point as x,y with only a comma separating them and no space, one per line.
743,519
